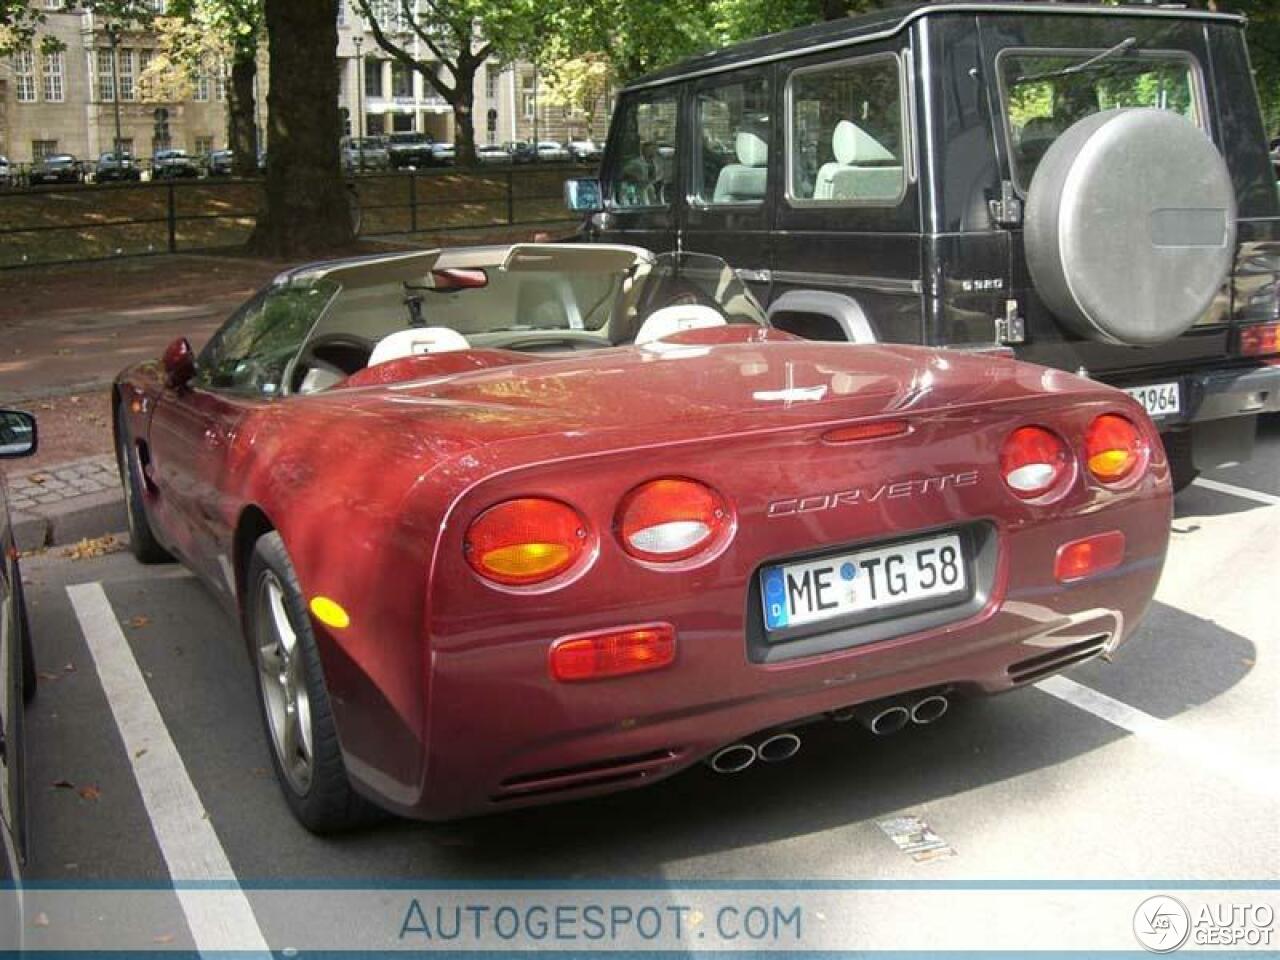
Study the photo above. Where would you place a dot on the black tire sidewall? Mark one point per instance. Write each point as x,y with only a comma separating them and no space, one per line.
142,539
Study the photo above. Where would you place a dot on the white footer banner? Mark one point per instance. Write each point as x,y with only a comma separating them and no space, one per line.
212,918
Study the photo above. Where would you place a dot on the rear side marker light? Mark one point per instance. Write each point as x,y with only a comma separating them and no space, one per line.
1113,448
664,521
867,431
1090,556
613,653
1033,461
526,541
1260,339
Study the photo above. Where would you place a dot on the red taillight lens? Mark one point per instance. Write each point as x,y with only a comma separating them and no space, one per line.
1260,339
672,519
525,541
1034,461
1084,558
613,653
1113,448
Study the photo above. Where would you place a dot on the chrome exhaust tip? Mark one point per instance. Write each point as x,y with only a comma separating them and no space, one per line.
732,759
843,715
883,718
929,709
778,747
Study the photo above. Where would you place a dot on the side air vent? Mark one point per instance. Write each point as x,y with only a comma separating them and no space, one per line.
1052,661
601,773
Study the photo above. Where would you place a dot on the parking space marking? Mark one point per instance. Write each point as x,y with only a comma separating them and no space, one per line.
1245,493
1181,743
220,918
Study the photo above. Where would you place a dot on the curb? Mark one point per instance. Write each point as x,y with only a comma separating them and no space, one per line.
60,524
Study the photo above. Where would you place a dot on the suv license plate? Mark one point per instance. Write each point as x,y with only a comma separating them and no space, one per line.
815,590
1159,399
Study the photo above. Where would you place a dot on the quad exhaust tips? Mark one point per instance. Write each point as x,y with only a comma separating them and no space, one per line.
929,709
773,748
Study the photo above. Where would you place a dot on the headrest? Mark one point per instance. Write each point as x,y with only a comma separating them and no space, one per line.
417,341
853,146
678,317
753,150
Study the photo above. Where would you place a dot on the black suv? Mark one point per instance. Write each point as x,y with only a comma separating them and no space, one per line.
1086,185
408,150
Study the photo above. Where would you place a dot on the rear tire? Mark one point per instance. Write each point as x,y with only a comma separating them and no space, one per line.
142,540
1182,468
293,701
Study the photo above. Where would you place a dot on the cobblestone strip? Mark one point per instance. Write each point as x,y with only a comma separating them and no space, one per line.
57,484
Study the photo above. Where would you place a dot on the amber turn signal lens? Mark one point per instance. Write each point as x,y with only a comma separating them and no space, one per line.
1113,448
1092,555
613,653
672,519
1033,461
526,541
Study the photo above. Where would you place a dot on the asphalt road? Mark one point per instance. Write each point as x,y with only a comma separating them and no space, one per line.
1175,772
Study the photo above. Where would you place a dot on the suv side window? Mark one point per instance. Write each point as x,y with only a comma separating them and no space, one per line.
847,140
732,160
645,165
251,353
1047,91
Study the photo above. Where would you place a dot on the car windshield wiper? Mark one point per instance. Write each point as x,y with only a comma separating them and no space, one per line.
1123,47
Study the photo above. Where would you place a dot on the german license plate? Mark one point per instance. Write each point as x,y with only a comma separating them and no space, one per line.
807,592
1159,399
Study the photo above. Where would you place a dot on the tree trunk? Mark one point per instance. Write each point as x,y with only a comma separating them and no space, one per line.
242,121
834,9
305,209
464,117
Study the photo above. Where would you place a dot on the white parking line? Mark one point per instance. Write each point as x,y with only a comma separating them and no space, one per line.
1181,743
1243,492
221,918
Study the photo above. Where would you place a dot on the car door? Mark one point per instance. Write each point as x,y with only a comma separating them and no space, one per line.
194,429
642,179
731,163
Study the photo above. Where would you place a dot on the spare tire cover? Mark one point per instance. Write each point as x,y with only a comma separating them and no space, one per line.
1130,226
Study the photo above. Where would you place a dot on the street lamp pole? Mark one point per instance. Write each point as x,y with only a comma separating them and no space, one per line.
113,37
360,102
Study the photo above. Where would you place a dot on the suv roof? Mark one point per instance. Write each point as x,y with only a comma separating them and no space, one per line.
884,23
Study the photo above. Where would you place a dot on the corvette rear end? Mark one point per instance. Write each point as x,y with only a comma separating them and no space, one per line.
638,585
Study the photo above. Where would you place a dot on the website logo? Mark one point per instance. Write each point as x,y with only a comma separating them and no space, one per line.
1161,924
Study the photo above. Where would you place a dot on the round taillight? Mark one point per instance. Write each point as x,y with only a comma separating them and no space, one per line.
1113,448
671,519
526,541
1034,460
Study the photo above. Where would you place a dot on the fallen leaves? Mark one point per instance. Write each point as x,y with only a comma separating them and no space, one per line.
94,547
139,621
90,791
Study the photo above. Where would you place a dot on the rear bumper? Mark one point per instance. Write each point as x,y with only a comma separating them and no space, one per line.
501,734
1220,394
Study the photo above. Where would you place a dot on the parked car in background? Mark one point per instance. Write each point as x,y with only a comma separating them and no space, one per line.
57,168
17,688
113,166
442,155
364,153
552,151
218,163
491,153
173,165
620,526
520,151
585,151
6,172
407,149
1089,186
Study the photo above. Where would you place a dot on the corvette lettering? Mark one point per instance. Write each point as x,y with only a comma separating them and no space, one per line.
857,496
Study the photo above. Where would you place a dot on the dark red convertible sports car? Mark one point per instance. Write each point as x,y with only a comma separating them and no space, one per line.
507,525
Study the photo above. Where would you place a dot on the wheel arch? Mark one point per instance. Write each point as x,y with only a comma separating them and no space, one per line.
252,525
813,313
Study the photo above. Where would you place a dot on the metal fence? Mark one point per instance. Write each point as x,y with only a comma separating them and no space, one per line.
97,222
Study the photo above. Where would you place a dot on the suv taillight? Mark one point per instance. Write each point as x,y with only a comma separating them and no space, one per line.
1034,461
1260,339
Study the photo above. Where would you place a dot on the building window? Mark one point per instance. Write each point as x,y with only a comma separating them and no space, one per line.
373,78
202,87
491,83
43,148
401,81
55,4
126,64
126,145
220,88
24,70
106,77
342,13
156,6
204,145
530,102
53,72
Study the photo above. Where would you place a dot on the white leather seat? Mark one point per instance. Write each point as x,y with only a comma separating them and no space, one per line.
676,318
745,180
417,341
859,171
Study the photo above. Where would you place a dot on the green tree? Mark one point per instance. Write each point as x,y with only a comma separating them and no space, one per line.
459,35
305,209
580,84
22,21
